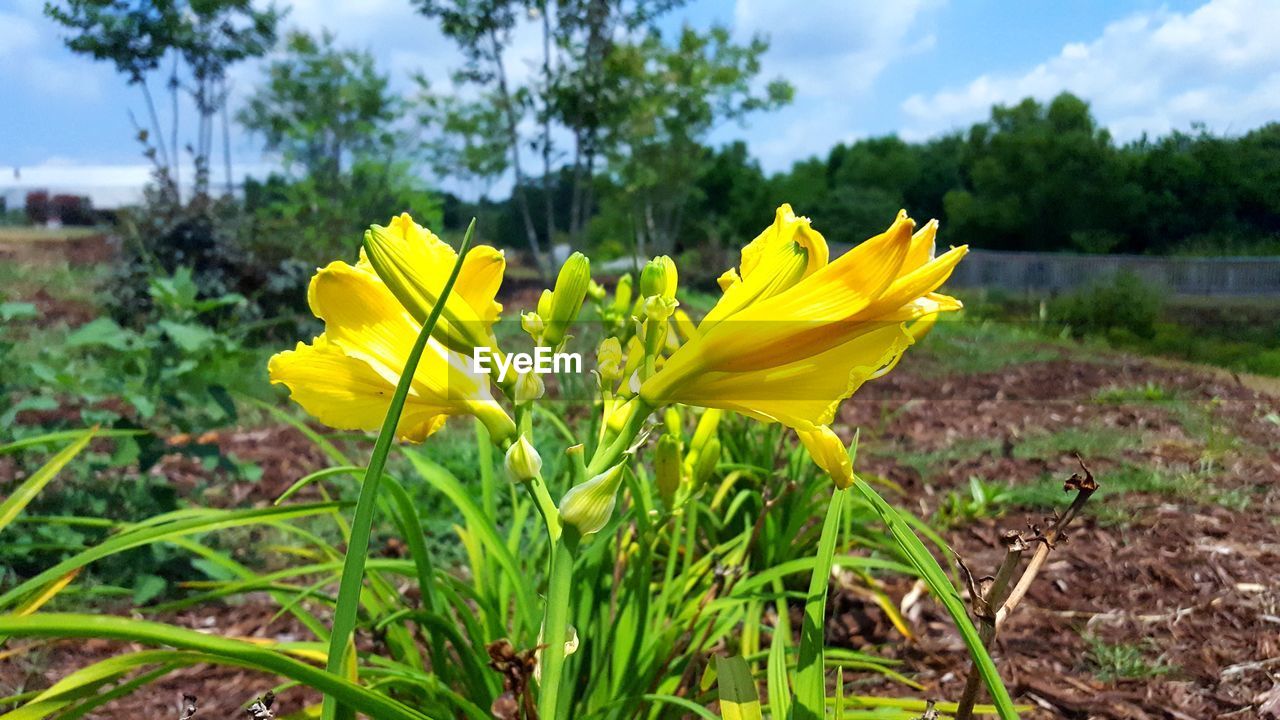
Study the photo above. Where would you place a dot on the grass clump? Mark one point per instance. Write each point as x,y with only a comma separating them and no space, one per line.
1110,662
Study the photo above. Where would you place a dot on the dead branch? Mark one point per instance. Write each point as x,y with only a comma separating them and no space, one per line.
985,604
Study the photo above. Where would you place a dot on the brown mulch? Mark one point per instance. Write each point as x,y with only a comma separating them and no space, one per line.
1196,584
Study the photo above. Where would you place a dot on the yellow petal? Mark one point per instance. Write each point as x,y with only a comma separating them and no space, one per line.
801,394
479,280
915,284
786,252
362,317
346,393
923,246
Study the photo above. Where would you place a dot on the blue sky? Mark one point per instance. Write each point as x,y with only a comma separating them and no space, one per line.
915,67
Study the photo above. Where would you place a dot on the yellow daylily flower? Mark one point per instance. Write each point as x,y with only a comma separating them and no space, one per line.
794,335
415,264
347,375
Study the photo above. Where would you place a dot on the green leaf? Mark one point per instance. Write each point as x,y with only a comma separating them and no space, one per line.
10,311
739,699
811,685
31,487
189,337
214,649
147,588
942,589
102,332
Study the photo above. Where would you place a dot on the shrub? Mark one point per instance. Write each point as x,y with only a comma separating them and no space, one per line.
37,207
1120,308
72,209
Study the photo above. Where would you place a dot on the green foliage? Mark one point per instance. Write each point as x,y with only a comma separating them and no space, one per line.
1123,661
983,500
323,107
1148,392
173,372
1121,307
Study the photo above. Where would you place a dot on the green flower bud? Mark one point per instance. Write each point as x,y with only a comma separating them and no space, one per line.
674,424
705,463
589,506
544,304
659,278
595,291
609,361
529,387
566,301
622,294
533,324
523,462
667,470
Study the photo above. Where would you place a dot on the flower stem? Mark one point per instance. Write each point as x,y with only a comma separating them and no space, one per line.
344,615
555,623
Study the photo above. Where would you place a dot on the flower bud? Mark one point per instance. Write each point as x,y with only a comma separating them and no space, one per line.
829,453
622,294
609,361
667,468
532,323
544,304
529,387
523,462
672,422
566,301
588,507
704,463
659,278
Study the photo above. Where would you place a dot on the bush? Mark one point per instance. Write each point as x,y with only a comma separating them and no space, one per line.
73,210
1121,308
37,207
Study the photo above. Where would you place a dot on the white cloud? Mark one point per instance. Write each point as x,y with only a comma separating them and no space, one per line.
31,53
832,51
1149,72
833,47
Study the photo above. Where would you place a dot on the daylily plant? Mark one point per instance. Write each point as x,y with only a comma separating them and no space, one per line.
793,335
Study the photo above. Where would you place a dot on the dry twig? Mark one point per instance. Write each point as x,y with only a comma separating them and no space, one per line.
985,604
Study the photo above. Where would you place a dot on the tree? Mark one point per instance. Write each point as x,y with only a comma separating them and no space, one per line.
324,108
1040,178
677,95
331,115
199,40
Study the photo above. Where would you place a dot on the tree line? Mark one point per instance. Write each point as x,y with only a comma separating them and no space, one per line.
604,142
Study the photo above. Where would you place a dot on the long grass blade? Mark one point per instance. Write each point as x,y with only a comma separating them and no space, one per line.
31,487
739,699
942,589
344,615
811,686
215,649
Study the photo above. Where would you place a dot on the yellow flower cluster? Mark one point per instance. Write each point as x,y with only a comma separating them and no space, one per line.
793,335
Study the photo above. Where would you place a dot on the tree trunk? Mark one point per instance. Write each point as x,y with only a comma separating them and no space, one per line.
513,143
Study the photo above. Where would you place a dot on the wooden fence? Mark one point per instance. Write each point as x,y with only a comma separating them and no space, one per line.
1055,272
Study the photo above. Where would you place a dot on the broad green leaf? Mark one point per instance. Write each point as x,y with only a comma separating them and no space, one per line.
739,699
